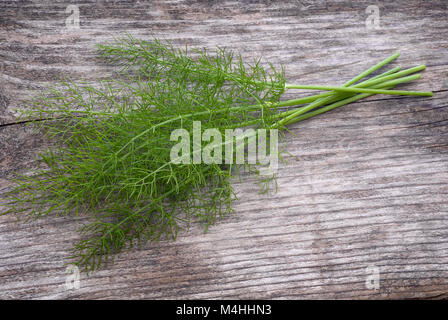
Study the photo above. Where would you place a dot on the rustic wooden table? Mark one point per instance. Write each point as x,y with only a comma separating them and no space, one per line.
361,208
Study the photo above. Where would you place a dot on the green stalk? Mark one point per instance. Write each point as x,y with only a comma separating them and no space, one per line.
372,69
324,101
361,90
387,84
352,81
368,71
374,81
389,75
391,71
335,97
326,94
348,83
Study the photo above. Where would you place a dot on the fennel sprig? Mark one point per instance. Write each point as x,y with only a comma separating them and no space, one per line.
110,151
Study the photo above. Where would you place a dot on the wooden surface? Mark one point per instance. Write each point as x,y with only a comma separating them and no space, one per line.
367,185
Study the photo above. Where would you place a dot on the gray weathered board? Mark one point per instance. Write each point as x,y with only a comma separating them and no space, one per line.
365,189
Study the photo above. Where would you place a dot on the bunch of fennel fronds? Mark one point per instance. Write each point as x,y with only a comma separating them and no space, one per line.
110,150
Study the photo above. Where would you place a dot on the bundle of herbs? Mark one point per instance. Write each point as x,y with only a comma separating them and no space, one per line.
111,150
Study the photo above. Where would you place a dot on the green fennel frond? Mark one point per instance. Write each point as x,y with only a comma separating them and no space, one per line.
109,155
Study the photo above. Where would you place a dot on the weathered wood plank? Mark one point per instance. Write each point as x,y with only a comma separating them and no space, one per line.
366,185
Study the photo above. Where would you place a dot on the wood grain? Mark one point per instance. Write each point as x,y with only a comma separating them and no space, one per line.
365,185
